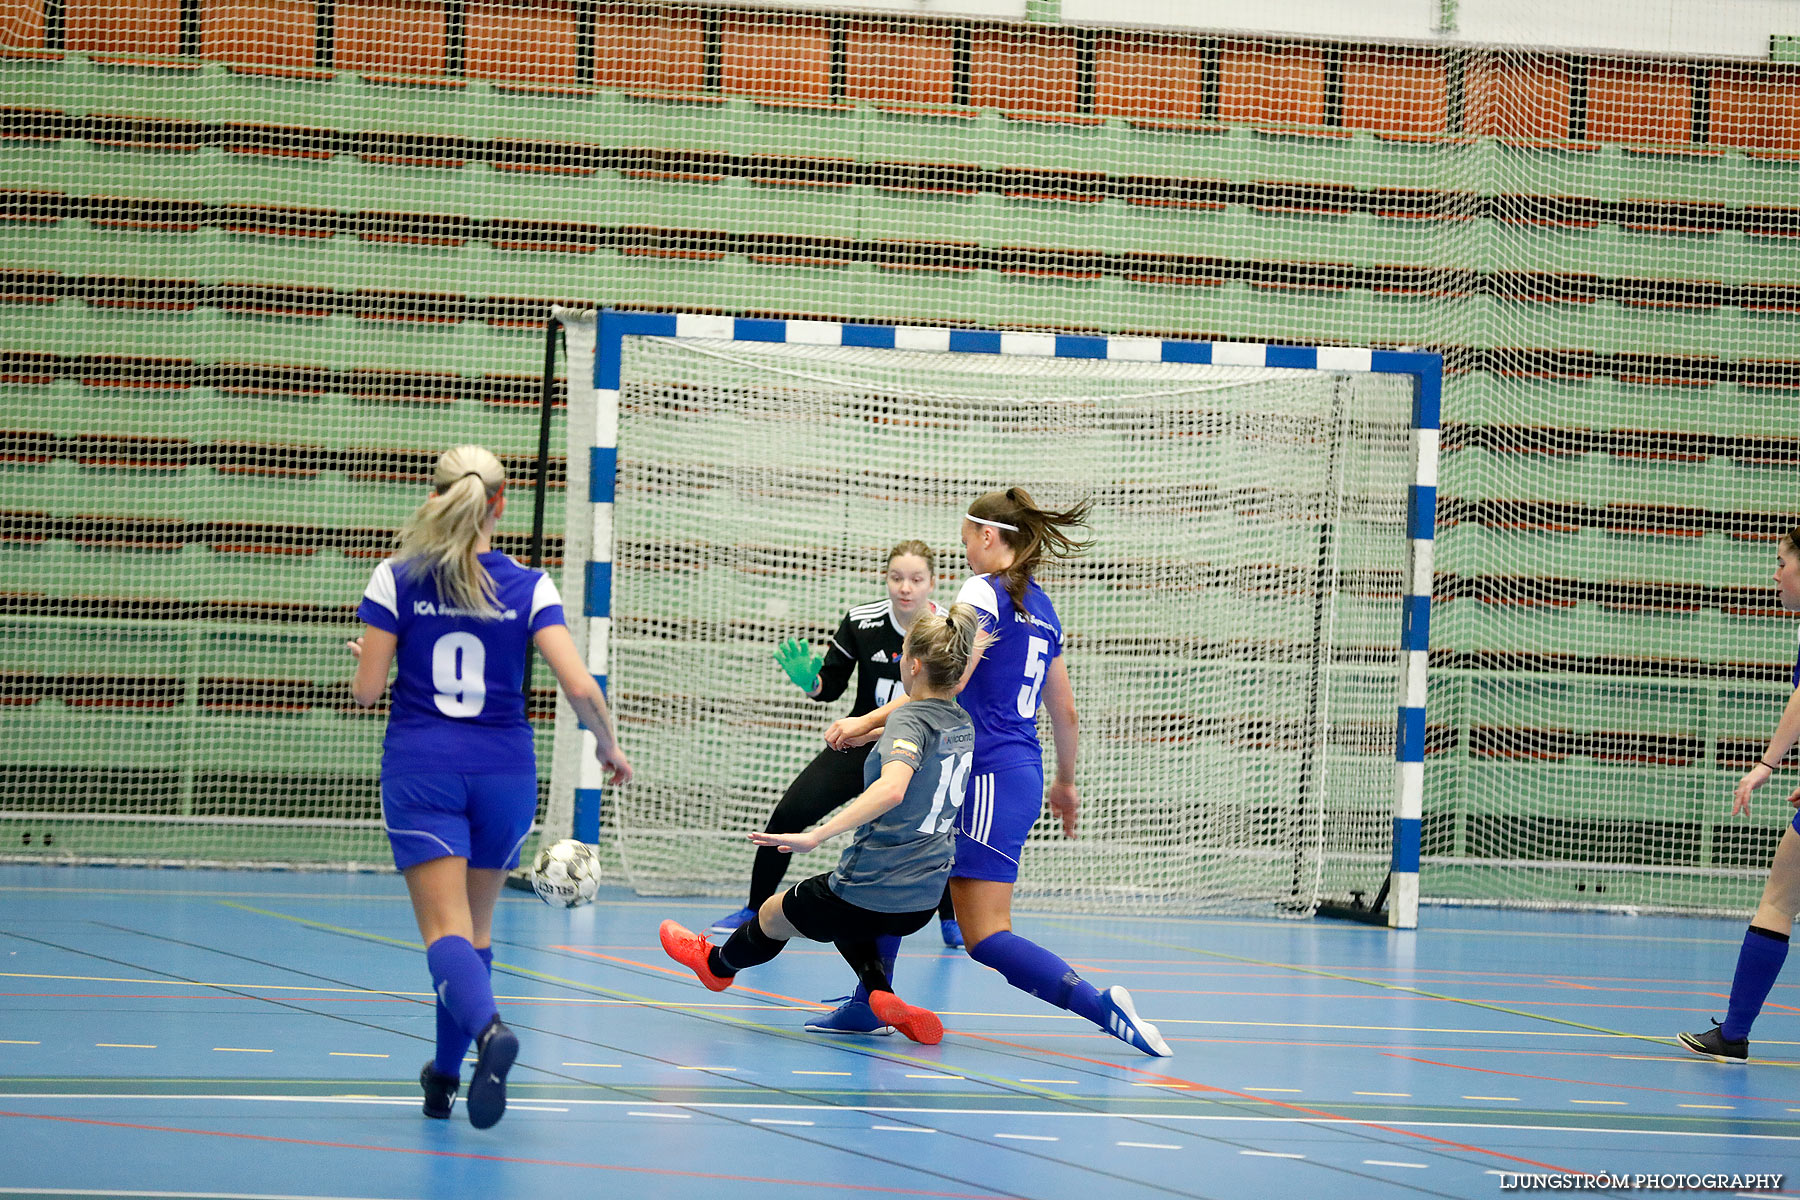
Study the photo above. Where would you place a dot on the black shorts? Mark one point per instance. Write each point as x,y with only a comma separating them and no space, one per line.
824,916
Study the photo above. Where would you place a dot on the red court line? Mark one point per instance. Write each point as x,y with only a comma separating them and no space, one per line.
683,973
1384,1047
1189,1085
1623,1087
503,1158
1278,970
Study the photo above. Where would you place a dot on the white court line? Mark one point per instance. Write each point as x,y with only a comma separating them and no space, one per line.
846,1074
131,1046
11,1042
902,1129
1049,1081
240,1050
1148,1145
670,1116
1268,1154
706,1068
1382,1162
352,1054
37,1191
609,1065
1026,1137
515,1106
1513,1099
776,1121
932,1075
162,1099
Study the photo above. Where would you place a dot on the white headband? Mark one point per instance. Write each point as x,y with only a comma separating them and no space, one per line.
985,521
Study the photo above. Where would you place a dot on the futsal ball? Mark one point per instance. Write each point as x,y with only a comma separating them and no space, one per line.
566,875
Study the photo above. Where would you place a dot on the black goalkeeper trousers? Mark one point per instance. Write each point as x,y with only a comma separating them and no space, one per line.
830,781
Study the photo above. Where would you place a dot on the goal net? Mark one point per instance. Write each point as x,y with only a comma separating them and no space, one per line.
1233,636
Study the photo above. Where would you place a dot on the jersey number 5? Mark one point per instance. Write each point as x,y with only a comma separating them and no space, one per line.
953,783
1035,665
459,673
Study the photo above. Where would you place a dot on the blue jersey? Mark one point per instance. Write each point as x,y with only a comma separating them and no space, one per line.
1001,698
457,703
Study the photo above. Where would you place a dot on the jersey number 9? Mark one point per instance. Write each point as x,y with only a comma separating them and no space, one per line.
459,673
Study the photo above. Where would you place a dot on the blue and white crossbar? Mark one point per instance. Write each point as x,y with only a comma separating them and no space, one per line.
593,458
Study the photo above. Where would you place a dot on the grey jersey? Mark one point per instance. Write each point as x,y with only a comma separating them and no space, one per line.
898,862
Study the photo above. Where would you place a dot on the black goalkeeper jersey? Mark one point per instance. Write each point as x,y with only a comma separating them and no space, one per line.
867,638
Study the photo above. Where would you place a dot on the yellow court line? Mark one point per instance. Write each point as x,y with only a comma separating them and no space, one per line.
354,1054
11,1042
1398,1095
1511,1099
240,1050
843,1073
266,987
1722,1107
1619,1103
613,993
122,1046
1321,973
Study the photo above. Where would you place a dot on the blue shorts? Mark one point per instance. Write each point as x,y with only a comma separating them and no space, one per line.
483,818
997,813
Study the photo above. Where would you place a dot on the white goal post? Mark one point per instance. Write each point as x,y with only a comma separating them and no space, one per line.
1247,637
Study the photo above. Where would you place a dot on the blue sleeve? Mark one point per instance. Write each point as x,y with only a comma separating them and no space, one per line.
550,614
372,614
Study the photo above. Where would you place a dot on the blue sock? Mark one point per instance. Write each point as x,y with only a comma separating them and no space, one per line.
460,979
888,946
1033,969
452,1043
1759,962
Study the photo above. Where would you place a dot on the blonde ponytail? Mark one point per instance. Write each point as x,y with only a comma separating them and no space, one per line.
439,538
945,644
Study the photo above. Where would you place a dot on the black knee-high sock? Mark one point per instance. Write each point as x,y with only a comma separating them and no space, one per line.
946,911
767,870
864,958
747,947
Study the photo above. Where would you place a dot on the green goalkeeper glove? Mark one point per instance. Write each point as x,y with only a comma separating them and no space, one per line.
796,658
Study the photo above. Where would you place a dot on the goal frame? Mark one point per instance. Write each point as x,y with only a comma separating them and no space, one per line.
593,436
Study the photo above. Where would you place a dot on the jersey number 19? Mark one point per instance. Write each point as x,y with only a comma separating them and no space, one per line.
953,783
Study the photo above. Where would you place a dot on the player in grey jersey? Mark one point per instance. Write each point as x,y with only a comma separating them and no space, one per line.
890,878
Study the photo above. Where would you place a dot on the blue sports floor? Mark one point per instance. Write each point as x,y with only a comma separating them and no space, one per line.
240,1034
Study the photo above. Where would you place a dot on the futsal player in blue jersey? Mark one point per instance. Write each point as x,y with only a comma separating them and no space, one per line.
1765,945
458,771
1005,536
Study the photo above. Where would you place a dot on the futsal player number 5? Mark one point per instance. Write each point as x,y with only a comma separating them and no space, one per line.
1035,666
